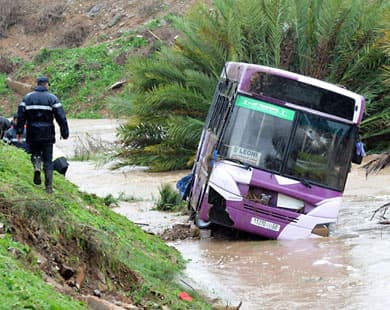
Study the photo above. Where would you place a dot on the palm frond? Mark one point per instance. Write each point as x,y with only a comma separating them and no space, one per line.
184,131
170,99
377,164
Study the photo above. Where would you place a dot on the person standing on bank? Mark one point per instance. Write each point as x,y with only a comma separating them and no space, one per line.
38,110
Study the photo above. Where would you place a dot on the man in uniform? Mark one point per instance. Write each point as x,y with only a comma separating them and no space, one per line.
38,110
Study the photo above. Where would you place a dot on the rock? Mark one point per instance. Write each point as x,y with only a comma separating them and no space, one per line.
115,19
19,87
96,303
95,10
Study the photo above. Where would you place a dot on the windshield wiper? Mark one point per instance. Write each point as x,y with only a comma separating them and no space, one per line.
305,182
237,161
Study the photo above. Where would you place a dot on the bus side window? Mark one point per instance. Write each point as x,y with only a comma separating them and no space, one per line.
221,106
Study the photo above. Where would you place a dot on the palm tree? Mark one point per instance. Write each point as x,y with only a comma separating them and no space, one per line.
340,41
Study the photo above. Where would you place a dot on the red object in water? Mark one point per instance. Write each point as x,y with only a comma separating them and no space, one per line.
185,296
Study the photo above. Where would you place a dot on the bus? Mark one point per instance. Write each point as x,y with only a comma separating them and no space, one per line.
274,153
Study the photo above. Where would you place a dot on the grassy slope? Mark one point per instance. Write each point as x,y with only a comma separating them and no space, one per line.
145,266
21,288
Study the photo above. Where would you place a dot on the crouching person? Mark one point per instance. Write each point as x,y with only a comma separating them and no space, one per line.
38,111
11,136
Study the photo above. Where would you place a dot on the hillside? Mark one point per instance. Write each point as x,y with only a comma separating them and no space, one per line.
29,27
104,20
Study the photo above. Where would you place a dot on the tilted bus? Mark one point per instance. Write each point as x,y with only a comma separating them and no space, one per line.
275,153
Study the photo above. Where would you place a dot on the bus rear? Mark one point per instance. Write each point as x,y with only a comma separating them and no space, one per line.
275,153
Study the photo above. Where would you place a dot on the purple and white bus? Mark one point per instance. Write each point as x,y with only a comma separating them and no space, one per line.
275,153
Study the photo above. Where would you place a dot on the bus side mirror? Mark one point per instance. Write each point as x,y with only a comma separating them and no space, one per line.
358,153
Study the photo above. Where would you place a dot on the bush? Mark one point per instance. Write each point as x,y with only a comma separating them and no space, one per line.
170,199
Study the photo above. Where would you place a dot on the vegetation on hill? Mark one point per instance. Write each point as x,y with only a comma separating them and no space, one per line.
343,42
81,77
74,239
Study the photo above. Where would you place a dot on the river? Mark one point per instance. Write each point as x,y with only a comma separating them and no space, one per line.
348,270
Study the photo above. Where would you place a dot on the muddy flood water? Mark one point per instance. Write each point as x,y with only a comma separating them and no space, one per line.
348,270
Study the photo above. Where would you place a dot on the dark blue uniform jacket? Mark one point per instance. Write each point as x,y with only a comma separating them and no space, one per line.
38,110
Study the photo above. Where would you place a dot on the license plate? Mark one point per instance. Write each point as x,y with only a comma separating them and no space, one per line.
264,224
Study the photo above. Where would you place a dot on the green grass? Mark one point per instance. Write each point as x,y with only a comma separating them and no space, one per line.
3,89
3,84
114,243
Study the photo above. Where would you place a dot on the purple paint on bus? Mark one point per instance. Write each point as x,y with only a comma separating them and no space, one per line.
312,195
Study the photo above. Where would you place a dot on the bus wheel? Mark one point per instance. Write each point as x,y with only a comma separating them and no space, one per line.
200,223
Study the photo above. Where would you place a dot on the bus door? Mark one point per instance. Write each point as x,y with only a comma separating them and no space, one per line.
212,133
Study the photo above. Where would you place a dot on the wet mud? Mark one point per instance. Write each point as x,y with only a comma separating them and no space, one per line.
348,270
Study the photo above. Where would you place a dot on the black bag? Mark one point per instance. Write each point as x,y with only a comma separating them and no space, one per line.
61,165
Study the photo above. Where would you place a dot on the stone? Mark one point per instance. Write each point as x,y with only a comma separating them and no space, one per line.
115,19
95,10
96,303
19,87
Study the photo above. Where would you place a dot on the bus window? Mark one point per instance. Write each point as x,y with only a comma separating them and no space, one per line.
262,138
289,90
317,151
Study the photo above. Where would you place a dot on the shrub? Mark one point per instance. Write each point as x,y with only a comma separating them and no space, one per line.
169,200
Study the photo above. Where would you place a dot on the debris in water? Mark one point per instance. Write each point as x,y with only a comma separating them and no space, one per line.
185,296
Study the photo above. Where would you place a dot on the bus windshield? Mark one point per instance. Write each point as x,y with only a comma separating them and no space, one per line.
292,143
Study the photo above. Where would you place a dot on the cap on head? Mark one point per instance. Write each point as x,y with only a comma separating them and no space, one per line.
42,80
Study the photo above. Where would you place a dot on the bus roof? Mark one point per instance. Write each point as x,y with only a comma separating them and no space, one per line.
242,72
